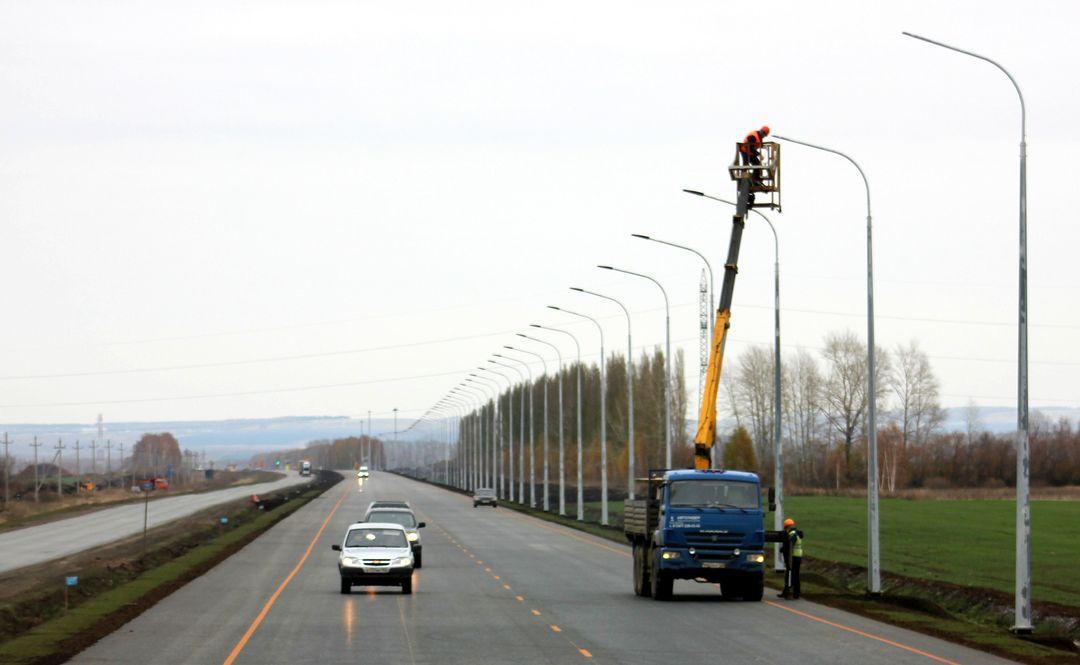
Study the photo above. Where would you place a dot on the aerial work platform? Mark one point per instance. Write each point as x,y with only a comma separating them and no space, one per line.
764,177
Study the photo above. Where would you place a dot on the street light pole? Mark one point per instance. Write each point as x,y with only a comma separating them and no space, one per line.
603,419
667,354
503,475
1022,616
521,448
873,545
708,268
778,448
532,456
496,426
629,391
562,428
521,432
580,437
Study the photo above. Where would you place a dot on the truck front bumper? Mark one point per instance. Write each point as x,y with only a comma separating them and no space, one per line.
713,566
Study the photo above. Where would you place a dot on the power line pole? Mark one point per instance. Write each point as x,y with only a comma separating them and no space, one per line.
78,468
93,456
7,470
122,466
59,468
108,458
35,446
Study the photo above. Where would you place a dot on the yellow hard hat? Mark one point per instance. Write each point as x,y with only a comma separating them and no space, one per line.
789,522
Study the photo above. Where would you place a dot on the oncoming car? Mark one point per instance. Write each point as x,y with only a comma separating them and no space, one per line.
405,518
375,554
363,472
485,496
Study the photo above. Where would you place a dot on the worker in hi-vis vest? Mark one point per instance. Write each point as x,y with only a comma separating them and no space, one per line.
793,552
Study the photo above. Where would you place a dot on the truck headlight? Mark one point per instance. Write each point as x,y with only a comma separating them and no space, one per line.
755,558
413,536
402,561
670,555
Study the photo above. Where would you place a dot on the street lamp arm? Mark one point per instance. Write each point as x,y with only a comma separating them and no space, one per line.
866,183
1023,108
600,295
776,238
638,274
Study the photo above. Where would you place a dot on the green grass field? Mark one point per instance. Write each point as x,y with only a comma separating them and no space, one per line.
959,541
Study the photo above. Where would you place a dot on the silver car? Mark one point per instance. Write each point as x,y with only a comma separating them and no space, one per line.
407,520
375,554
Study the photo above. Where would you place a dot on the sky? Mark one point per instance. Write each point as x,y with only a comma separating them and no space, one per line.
220,210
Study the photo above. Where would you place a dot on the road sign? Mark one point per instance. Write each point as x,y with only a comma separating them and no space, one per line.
71,580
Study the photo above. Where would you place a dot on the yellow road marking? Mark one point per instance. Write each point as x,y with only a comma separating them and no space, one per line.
507,587
520,599
556,628
585,652
536,612
288,578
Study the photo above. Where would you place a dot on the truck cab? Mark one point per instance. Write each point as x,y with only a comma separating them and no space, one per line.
702,525
305,468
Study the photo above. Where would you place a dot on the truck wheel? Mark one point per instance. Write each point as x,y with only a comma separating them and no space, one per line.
418,560
346,587
660,584
641,572
754,588
406,587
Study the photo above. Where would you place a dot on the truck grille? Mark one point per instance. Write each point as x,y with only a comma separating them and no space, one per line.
376,562
714,539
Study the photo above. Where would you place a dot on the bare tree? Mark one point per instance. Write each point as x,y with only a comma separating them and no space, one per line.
845,393
912,380
803,394
752,393
972,421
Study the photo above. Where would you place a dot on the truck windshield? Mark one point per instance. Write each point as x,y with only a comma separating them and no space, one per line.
376,538
714,494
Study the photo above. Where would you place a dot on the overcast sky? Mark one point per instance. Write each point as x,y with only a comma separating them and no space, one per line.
393,189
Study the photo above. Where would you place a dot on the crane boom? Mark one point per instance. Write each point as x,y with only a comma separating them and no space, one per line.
751,179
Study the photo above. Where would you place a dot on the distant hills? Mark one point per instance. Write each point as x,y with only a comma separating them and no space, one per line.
236,440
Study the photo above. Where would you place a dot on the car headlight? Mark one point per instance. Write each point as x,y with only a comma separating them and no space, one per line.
351,561
402,561
755,558
413,536
670,555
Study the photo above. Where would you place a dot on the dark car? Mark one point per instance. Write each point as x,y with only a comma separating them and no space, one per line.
485,496
406,519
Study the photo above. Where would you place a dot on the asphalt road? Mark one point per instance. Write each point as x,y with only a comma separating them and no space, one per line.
496,587
36,544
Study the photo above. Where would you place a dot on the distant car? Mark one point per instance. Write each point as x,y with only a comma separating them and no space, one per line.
407,520
485,496
363,472
305,468
375,554
391,503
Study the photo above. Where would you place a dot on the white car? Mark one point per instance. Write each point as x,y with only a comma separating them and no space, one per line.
375,554
363,472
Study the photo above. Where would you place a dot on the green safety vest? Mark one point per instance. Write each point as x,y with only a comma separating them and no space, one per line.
796,543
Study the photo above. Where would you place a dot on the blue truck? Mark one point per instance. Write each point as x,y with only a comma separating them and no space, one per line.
704,525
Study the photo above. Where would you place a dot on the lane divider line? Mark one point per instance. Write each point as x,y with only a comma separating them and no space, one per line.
288,578
556,628
870,636
585,652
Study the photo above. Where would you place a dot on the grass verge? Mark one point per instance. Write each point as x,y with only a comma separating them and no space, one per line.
117,588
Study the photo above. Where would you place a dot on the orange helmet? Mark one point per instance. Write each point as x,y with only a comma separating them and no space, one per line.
765,130
789,522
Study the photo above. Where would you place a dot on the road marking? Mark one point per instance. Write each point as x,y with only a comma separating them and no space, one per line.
507,587
862,633
556,628
585,652
520,599
540,523
405,629
288,578
536,612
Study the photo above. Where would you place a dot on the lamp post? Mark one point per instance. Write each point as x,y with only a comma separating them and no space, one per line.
521,438
778,470
562,427
580,438
873,548
667,354
603,420
532,463
1022,615
521,433
629,390
708,268
496,427
477,431
506,471
487,475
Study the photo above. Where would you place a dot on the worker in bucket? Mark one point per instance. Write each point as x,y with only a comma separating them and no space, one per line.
751,149
793,552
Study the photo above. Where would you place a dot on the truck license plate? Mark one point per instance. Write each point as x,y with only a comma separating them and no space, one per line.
714,564
376,570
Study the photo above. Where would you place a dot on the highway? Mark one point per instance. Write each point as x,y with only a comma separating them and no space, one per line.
36,544
496,587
